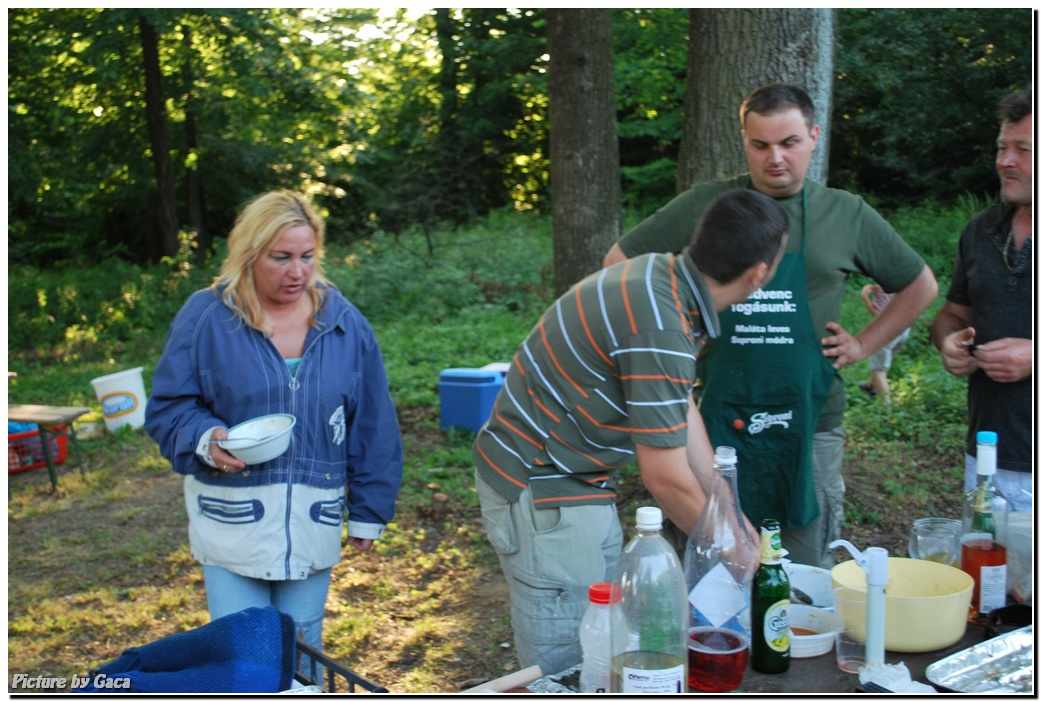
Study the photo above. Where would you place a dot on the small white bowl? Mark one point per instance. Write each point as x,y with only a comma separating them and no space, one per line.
260,439
824,622
814,582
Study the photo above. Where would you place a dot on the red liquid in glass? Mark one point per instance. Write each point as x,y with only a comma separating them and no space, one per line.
976,554
716,659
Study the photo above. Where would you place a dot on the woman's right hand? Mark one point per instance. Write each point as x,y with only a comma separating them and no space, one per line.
224,460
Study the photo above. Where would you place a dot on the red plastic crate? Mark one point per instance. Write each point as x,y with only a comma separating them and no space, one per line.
25,452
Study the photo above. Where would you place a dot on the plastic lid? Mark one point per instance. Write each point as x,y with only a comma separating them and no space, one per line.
648,518
986,437
604,593
726,455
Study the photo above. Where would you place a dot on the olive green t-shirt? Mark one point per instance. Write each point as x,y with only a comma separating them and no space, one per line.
843,235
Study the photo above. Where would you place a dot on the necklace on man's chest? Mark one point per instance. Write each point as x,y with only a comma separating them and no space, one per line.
1004,251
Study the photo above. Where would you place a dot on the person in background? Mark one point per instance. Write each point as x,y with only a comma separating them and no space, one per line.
875,298
272,335
603,380
985,328
769,386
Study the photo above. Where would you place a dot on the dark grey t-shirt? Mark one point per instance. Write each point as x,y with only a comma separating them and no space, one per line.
1001,308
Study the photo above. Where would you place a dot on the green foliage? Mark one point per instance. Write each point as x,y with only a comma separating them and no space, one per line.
467,304
916,94
404,122
258,91
650,56
77,314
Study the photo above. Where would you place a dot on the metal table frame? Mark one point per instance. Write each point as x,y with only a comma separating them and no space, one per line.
52,421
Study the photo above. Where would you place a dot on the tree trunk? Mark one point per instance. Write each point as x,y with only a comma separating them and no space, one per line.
584,169
155,110
450,151
732,52
193,181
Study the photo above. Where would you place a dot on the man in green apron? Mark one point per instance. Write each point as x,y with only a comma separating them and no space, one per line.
770,385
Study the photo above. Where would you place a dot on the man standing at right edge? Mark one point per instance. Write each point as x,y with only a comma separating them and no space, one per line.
985,328
770,386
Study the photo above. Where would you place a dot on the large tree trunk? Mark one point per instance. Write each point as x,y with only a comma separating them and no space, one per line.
584,169
732,52
155,110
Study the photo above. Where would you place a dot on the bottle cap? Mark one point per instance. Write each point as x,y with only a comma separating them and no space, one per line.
604,593
986,453
648,518
726,455
986,437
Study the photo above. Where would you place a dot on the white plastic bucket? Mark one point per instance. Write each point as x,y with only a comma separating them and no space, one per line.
122,398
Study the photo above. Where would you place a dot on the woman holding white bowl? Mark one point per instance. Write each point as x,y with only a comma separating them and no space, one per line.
272,336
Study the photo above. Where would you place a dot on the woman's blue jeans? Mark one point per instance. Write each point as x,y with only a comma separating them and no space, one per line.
303,600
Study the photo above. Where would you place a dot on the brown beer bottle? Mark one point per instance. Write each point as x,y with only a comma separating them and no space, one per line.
770,604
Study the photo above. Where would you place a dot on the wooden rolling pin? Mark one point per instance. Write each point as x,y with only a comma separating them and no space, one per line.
508,682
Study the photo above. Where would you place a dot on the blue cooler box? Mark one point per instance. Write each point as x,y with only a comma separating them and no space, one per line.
467,396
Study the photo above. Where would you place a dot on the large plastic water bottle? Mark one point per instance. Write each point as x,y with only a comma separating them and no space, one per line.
651,654
595,636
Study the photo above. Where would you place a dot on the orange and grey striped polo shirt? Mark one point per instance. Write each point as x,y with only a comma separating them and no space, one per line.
609,365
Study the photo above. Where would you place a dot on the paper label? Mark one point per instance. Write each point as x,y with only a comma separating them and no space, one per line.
665,680
718,596
992,588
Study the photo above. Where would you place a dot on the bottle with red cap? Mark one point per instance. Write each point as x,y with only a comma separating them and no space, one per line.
595,636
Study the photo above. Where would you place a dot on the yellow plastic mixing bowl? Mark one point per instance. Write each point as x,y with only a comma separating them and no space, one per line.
927,603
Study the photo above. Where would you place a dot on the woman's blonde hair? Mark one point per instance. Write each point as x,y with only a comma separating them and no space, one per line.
260,224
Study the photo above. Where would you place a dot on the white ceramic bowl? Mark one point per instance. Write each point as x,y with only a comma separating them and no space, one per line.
260,439
815,582
822,621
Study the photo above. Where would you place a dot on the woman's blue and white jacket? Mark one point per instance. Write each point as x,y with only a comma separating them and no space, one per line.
280,520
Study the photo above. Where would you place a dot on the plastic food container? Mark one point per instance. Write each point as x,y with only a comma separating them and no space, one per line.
821,621
260,439
927,603
814,582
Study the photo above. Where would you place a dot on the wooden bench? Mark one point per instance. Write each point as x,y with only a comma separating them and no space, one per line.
53,421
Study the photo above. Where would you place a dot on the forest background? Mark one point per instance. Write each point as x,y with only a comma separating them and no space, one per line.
442,236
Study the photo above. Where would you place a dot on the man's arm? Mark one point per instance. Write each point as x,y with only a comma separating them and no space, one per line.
902,310
668,476
614,255
676,476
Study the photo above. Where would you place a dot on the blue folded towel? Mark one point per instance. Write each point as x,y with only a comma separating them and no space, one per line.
249,651
19,427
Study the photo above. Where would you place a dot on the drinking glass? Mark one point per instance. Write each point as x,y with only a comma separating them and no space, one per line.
933,541
716,659
851,639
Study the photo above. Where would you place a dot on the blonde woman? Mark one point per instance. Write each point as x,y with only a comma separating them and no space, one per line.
272,335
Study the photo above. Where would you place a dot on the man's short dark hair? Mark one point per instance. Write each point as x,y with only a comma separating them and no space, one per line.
778,97
1017,106
738,230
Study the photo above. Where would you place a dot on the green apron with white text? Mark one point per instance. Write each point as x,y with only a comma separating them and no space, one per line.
763,390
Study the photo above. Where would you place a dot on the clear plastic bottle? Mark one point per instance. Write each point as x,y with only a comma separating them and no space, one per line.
720,560
650,655
984,533
599,625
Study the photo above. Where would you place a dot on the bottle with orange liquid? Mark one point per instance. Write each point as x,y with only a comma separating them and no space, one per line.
984,529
